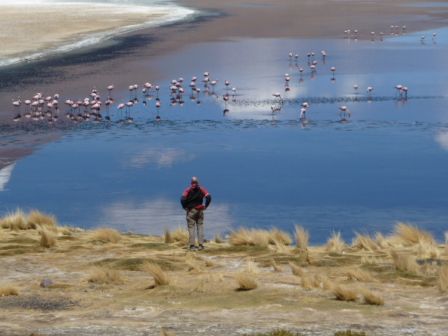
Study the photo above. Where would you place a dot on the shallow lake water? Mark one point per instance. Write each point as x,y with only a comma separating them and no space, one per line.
388,163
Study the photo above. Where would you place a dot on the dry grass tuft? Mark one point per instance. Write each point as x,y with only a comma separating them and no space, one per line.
345,294
405,263
296,270
358,274
47,239
442,281
193,264
335,244
38,219
246,281
105,276
252,237
278,237
15,221
180,235
105,236
365,242
302,238
411,235
427,251
8,291
281,248
160,277
371,298
167,237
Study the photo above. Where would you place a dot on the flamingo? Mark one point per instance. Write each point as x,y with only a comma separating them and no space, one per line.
344,113
333,70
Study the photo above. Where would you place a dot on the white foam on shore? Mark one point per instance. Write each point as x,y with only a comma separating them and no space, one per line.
158,14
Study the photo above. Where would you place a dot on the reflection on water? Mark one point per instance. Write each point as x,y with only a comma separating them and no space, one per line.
263,169
5,176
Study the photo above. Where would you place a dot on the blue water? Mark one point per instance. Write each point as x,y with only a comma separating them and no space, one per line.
387,164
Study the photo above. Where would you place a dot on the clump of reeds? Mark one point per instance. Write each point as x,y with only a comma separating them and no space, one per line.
105,236
371,298
105,276
302,238
442,281
246,281
37,219
16,220
358,274
278,237
411,235
8,291
405,263
335,244
365,242
159,276
47,239
249,237
345,294
296,270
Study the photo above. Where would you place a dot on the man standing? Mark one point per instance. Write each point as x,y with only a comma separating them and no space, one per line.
192,201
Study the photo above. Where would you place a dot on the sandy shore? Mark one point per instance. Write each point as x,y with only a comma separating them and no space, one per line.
129,59
68,26
99,283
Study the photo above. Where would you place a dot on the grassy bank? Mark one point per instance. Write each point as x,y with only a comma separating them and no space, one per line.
72,272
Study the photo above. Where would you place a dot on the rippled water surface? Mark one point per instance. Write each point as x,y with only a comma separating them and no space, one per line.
388,163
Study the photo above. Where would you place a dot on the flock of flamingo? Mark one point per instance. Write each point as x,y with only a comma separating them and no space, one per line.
94,108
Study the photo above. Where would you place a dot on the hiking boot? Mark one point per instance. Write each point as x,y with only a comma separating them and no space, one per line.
193,248
201,247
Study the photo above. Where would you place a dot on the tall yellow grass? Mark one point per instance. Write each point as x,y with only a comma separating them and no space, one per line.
335,244
47,238
372,298
37,219
15,221
180,235
296,270
365,242
18,220
159,276
249,237
246,281
105,276
442,281
411,235
345,294
105,236
8,291
302,238
278,237
405,263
